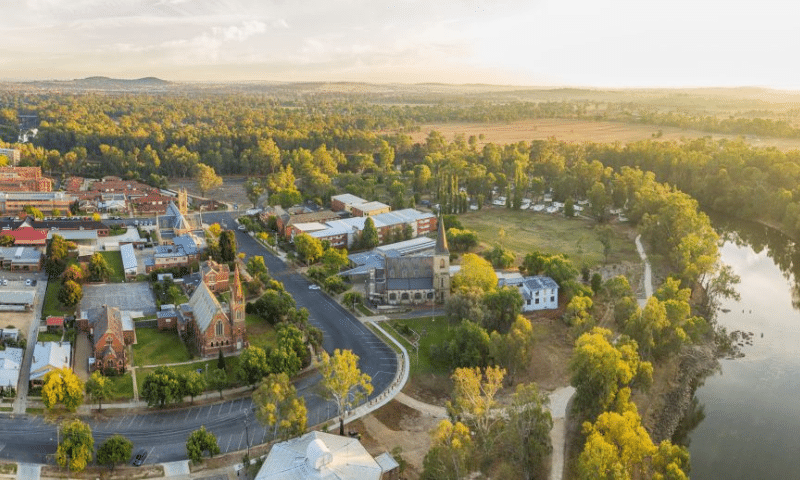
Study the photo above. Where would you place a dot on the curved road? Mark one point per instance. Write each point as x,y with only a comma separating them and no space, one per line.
29,439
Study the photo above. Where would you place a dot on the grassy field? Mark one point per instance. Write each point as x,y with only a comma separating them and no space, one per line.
48,337
52,307
524,231
259,332
156,348
431,332
231,365
121,387
114,260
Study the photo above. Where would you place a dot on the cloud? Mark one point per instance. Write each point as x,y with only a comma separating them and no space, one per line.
240,33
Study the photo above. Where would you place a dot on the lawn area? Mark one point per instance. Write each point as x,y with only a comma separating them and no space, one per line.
432,331
259,332
156,348
121,387
231,365
524,231
51,304
48,337
114,260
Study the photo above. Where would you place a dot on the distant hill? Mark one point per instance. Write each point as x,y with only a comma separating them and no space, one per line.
106,82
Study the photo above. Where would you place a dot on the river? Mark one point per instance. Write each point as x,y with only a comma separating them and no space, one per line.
752,406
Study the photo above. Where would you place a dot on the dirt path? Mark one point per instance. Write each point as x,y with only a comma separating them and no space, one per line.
559,402
648,274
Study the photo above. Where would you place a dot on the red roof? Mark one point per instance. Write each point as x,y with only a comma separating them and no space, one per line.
26,236
55,321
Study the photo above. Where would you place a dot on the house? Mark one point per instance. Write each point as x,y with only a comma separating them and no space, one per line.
55,324
24,179
25,235
111,331
12,203
167,317
183,252
215,275
17,300
49,356
212,326
324,456
129,263
538,292
10,362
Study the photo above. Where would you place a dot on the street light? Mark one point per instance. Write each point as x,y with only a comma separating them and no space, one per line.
247,431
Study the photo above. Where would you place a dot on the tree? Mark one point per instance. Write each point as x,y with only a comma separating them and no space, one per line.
6,241
70,293
308,247
512,350
33,212
199,442
369,236
227,246
606,236
74,273
254,188
193,384
599,370
98,388
277,405
214,229
115,450
502,308
461,240
62,386
253,365
220,360
500,257
256,265
475,272
343,381
206,178
218,380
468,346
450,453
75,446
161,386
334,260
527,433
99,268
473,395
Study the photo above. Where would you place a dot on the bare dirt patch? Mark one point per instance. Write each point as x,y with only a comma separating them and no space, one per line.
580,131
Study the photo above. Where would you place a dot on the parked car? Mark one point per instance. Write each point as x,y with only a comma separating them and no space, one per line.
5,282
28,282
313,287
241,227
140,457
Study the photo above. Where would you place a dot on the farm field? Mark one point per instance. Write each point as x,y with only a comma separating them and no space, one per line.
577,131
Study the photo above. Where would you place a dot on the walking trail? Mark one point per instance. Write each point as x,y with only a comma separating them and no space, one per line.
648,274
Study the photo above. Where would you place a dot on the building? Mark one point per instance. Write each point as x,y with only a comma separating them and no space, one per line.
10,362
54,324
182,253
407,223
323,456
49,356
167,317
17,300
152,203
177,221
215,275
111,331
370,209
212,326
26,236
13,203
129,263
538,292
24,179
21,259
12,154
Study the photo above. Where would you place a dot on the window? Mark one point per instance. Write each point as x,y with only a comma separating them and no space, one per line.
529,302
430,295
552,299
219,329
404,296
417,296
392,296
537,301
441,263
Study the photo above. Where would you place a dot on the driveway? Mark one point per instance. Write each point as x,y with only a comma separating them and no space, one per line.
80,360
134,297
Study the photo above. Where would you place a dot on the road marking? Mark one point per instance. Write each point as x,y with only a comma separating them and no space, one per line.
228,446
188,411
239,447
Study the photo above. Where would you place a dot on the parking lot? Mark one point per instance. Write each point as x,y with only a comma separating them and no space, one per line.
17,281
134,297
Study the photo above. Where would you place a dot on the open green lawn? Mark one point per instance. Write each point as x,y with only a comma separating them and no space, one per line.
52,307
524,231
259,332
121,387
431,331
156,348
231,364
48,337
114,260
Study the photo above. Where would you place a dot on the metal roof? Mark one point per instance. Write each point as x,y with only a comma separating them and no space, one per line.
17,297
128,257
48,356
204,307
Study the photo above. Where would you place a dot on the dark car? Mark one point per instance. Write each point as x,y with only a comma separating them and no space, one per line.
138,460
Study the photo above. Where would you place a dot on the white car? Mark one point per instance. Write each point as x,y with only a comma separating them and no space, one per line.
241,227
313,287
28,282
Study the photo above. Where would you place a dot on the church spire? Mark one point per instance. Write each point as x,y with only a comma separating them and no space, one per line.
441,240
237,292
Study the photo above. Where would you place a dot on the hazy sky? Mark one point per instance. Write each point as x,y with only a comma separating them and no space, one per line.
613,43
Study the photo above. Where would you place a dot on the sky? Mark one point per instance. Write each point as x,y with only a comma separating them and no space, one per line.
584,43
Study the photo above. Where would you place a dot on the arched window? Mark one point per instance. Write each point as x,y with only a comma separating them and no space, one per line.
441,263
417,296
404,296
219,329
392,296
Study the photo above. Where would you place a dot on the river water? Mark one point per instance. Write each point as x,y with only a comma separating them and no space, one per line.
751,428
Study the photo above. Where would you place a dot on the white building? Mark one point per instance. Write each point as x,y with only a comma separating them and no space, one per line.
322,456
538,292
48,356
10,361
129,263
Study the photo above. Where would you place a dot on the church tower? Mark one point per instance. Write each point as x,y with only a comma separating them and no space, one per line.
237,303
183,201
441,265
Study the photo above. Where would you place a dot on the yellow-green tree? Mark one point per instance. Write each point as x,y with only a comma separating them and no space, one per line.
512,350
343,381
75,445
98,387
450,453
206,178
475,272
214,229
309,248
62,386
278,405
473,395
599,370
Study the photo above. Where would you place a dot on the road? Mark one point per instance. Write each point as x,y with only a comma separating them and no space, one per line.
163,433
